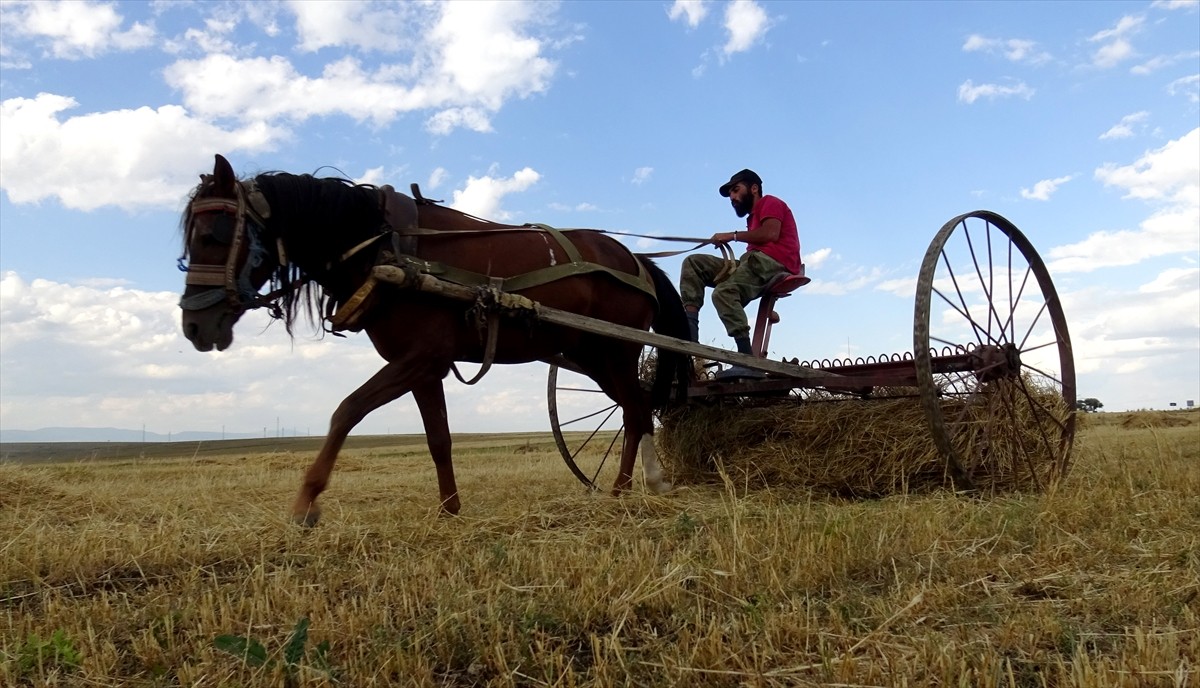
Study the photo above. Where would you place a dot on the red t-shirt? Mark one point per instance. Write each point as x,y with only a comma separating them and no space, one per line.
785,249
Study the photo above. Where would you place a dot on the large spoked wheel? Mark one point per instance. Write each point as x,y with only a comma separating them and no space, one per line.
587,426
993,357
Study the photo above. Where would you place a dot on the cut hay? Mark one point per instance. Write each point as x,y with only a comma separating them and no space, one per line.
855,447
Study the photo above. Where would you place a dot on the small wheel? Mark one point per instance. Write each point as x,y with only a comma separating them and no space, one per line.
588,426
1007,416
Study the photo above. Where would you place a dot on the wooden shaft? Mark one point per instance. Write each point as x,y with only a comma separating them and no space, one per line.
433,285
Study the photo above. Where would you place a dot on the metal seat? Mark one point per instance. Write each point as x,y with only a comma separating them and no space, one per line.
779,287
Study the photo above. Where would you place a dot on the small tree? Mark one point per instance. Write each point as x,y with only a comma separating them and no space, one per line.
1089,405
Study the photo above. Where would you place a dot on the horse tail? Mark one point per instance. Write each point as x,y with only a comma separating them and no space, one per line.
672,368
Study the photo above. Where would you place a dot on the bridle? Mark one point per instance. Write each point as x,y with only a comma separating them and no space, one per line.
249,211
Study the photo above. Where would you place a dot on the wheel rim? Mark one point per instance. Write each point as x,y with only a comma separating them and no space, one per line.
1010,421
586,424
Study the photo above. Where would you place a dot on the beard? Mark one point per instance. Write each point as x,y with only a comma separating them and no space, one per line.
743,207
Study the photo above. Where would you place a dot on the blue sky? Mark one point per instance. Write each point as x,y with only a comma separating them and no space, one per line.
875,122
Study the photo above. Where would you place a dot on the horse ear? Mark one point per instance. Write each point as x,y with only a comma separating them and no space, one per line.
223,176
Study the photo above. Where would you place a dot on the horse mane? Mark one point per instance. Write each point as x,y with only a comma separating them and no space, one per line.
309,213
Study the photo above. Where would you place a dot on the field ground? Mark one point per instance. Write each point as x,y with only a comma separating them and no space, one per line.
176,565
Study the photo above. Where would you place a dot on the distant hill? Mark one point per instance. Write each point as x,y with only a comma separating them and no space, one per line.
114,435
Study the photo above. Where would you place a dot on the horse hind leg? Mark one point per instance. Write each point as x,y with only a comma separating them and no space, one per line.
390,383
431,400
651,468
639,434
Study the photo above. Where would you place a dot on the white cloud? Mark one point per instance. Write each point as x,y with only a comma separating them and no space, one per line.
1116,48
642,175
1170,173
436,177
968,92
76,29
1124,128
362,25
691,12
746,23
1155,326
473,57
1167,178
1188,86
1125,26
127,158
814,259
482,195
1160,61
374,175
904,287
1176,4
450,119
1173,279
1113,54
1012,49
844,282
1042,190
585,207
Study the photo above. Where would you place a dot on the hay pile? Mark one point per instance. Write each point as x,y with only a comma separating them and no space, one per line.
853,447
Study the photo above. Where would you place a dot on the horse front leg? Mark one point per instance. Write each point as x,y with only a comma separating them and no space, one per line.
390,383
431,400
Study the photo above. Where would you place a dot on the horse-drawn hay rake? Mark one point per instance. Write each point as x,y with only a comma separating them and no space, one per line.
991,366
991,362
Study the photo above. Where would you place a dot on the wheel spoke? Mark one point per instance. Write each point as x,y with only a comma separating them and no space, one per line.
1043,373
1040,346
966,311
593,414
987,292
1033,324
584,456
1012,308
607,452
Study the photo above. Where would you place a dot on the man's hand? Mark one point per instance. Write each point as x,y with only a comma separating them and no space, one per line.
722,237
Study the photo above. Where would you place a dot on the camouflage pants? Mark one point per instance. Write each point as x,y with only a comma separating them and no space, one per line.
730,297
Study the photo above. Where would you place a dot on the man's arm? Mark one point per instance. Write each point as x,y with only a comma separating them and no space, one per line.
766,232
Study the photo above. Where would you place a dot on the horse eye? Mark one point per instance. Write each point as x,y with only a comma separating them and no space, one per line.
222,229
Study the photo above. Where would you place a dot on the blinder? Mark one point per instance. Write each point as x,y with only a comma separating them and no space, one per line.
222,229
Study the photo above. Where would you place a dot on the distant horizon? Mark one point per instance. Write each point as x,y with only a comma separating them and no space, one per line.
124,435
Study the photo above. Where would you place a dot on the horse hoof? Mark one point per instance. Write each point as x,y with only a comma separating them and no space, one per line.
307,519
662,487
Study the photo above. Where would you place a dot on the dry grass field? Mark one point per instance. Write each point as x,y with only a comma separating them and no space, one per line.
142,568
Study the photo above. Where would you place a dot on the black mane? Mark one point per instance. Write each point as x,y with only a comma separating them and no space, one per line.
319,218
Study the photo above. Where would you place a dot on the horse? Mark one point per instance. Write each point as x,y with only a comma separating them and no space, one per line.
318,242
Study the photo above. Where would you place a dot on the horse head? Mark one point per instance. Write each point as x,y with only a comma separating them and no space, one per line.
229,256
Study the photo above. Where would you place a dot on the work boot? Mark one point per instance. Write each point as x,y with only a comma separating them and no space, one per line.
693,319
737,371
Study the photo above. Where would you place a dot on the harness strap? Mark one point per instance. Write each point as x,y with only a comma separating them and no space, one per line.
493,334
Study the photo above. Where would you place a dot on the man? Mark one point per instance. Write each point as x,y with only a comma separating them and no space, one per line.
772,248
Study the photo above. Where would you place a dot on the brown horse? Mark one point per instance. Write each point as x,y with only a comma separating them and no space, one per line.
318,239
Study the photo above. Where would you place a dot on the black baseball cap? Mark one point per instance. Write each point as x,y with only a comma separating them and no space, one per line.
745,176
